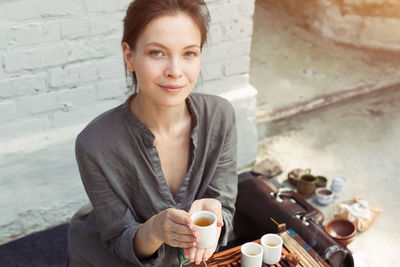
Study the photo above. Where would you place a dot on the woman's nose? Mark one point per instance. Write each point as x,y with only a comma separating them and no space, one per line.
174,69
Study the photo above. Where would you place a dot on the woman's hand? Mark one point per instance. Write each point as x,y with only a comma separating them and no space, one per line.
213,205
172,226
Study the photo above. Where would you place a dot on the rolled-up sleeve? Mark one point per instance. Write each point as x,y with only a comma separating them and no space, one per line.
115,220
223,185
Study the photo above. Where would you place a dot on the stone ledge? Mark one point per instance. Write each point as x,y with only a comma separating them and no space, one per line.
266,117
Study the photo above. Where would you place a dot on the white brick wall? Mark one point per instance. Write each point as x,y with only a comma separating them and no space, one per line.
60,66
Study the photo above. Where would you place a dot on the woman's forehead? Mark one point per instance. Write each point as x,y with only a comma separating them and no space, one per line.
171,30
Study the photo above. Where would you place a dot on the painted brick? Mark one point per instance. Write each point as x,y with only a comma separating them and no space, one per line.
3,74
29,84
5,89
25,34
111,89
105,25
51,31
237,66
216,34
18,11
235,82
72,98
92,26
35,58
211,71
75,28
240,47
32,125
123,5
223,85
216,2
112,68
73,74
215,52
238,29
83,114
93,48
7,111
225,12
37,104
247,7
26,10
56,77
102,6
3,39
59,8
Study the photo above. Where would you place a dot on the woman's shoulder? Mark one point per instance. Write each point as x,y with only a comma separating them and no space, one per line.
102,129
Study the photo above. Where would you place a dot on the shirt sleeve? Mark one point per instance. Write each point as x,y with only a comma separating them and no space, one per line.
223,185
115,220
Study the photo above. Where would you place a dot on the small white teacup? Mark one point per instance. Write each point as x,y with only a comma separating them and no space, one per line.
205,222
252,255
272,246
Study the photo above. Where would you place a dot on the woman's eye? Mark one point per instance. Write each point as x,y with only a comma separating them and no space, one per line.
190,54
156,53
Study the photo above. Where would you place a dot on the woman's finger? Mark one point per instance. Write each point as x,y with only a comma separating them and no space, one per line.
208,253
181,238
179,216
192,253
199,255
179,244
180,229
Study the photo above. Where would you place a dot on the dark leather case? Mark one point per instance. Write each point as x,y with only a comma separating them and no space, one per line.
258,201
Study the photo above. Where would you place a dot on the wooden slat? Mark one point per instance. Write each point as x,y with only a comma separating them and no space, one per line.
293,246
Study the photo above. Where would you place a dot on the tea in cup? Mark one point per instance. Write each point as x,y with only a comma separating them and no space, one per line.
272,246
205,222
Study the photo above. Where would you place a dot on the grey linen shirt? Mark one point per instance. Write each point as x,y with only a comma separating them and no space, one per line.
122,175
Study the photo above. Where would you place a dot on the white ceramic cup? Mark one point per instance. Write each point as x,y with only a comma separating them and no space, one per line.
272,253
252,255
208,234
337,184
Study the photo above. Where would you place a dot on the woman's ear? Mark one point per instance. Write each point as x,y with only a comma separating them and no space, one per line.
128,57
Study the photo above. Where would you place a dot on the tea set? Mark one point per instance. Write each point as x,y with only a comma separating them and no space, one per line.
308,184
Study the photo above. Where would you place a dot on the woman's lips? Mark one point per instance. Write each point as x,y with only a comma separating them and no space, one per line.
172,88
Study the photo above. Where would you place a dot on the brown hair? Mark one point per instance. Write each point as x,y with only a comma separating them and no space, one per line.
141,12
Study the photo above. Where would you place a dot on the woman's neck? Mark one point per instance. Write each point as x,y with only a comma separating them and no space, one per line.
161,120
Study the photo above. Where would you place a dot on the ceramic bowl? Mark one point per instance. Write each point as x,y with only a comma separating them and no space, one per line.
321,181
323,196
341,230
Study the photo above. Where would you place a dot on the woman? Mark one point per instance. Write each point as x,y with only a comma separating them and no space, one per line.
165,153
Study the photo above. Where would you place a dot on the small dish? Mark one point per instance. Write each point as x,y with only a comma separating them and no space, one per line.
321,181
324,196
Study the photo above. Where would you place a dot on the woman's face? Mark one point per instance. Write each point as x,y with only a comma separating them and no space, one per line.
166,59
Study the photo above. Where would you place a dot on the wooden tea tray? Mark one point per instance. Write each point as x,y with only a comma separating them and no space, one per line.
292,243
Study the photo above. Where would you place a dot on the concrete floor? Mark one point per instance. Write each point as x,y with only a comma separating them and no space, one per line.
357,138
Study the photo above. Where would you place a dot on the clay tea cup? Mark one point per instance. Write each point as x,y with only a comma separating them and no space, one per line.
306,185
